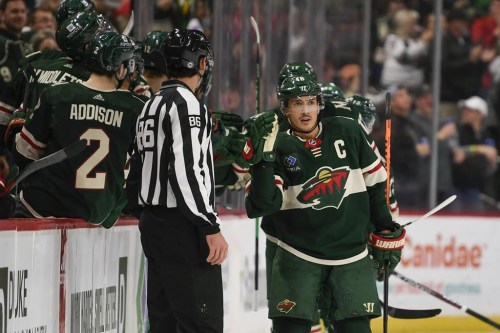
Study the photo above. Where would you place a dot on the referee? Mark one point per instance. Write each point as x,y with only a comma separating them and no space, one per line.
179,227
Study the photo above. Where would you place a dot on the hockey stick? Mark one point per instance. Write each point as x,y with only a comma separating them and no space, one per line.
434,210
387,195
445,299
130,24
257,108
410,313
59,156
388,127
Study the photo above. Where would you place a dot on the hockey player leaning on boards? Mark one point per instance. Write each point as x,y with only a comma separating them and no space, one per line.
322,186
90,185
73,35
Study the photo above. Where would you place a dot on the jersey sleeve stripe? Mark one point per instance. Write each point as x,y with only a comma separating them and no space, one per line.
28,137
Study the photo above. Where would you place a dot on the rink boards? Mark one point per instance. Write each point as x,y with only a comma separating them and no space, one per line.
61,275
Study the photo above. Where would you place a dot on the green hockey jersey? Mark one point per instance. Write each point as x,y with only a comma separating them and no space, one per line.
321,194
90,185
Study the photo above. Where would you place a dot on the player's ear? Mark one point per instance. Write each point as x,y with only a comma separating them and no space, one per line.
122,72
203,65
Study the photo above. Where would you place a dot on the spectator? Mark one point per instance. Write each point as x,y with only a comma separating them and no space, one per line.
42,19
90,185
484,32
461,64
13,18
405,52
197,21
422,118
44,40
476,158
406,149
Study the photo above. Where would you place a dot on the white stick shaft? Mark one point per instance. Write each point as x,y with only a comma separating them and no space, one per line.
130,24
434,210
256,28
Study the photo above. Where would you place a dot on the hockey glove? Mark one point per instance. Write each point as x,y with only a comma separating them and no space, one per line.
262,129
387,247
229,119
231,146
243,176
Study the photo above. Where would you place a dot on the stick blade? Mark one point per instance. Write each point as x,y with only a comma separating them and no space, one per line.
399,313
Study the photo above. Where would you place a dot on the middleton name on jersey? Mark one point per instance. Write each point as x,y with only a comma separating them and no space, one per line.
55,76
97,113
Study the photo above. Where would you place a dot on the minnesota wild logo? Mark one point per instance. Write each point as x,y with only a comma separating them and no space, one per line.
325,189
285,305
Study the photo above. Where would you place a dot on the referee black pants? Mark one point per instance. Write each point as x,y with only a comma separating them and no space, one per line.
184,292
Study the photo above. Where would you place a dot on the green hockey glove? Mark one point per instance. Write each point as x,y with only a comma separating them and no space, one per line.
229,119
231,146
387,247
262,129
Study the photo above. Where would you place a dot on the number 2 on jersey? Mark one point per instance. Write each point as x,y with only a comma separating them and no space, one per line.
83,178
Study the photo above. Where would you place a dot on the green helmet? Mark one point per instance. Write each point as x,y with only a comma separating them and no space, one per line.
69,8
153,48
365,108
295,86
295,69
108,50
76,32
332,92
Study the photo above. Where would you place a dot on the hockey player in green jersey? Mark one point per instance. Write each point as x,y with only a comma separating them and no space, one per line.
90,185
73,35
321,187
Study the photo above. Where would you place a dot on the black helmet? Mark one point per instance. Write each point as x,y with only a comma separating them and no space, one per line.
153,48
183,50
68,8
108,50
76,32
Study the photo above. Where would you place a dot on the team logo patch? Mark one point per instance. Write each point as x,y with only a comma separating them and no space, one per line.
315,146
313,143
292,163
325,189
285,306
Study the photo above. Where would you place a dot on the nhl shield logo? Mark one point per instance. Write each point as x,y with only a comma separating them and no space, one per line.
285,306
325,189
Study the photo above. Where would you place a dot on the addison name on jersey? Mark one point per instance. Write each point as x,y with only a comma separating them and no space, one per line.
97,113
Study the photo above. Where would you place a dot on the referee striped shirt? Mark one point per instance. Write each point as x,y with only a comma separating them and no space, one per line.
173,140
